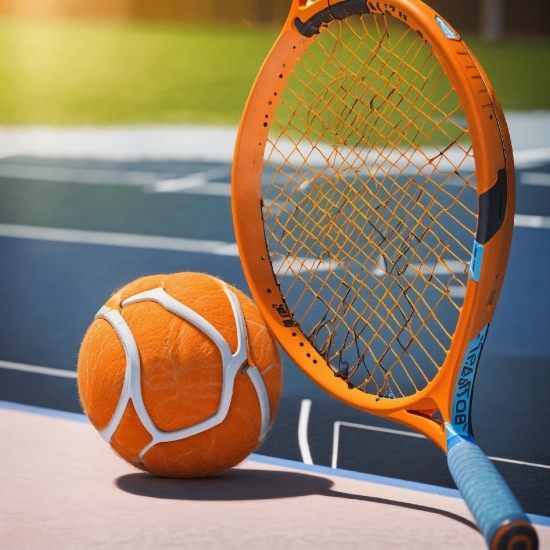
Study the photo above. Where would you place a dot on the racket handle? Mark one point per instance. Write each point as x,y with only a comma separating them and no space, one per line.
495,509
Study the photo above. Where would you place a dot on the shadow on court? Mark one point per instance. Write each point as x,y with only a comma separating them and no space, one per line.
241,484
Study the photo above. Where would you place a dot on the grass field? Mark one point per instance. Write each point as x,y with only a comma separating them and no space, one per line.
92,73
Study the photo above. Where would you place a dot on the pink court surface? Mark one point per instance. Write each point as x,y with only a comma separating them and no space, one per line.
63,487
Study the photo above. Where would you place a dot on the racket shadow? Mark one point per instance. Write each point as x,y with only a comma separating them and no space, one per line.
242,484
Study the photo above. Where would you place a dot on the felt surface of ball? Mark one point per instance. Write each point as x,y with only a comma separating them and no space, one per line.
174,396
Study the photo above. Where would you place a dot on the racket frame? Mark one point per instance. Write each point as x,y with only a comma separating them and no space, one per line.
492,152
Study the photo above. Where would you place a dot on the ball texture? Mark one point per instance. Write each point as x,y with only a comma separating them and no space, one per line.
181,375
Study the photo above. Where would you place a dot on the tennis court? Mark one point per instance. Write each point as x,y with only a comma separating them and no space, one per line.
86,209
85,212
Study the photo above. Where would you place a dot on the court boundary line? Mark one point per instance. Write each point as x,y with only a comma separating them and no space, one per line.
35,369
130,240
285,463
303,443
541,179
197,183
532,222
339,423
158,242
303,421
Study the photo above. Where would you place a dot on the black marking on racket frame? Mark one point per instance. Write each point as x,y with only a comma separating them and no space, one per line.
492,208
332,13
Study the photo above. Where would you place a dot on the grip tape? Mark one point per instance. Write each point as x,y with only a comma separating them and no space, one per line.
495,509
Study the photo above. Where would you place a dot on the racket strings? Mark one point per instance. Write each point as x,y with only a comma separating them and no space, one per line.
394,72
369,203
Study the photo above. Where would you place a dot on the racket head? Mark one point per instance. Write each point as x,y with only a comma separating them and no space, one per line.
295,79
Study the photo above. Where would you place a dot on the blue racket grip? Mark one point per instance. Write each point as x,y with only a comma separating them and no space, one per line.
495,509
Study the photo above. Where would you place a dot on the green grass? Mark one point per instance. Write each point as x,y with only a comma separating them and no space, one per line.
79,73
519,71
92,73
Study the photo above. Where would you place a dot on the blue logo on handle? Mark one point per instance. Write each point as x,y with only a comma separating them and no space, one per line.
462,399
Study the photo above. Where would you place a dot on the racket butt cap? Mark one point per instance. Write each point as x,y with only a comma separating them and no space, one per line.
515,535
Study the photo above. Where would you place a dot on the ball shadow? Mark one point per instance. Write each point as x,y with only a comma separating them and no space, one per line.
241,484
235,484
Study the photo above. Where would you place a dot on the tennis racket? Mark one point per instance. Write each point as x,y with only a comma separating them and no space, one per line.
373,202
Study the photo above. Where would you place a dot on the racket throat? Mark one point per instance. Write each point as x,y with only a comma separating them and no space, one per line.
426,419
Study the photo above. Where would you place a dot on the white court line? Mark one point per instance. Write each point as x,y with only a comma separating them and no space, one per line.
65,174
535,178
119,143
336,441
37,370
118,239
520,462
336,435
533,222
303,421
218,189
197,183
167,243
456,291
529,158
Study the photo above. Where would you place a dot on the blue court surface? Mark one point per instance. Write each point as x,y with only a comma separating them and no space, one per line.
75,227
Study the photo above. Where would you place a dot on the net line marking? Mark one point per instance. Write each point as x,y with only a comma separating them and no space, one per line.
336,441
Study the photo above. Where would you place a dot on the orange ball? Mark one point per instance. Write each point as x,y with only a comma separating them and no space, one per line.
180,374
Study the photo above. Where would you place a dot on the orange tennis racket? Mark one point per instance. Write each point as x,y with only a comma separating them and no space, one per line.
373,203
